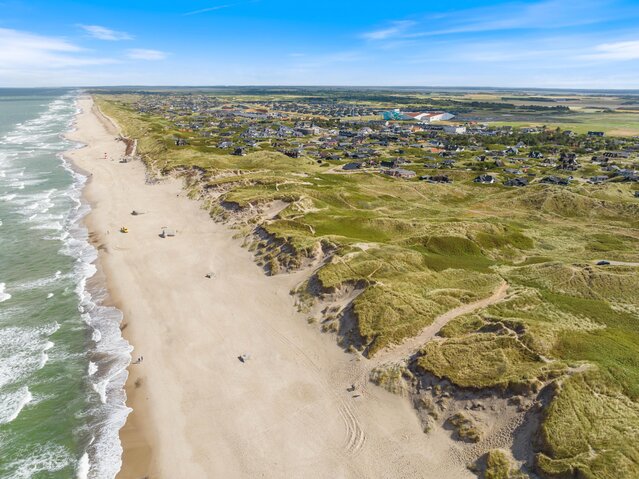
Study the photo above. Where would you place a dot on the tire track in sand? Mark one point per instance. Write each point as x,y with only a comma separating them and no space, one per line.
355,436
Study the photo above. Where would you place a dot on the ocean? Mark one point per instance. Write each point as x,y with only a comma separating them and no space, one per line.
62,357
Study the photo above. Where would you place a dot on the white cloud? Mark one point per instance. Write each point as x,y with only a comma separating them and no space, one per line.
396,29
20,49
146,54
209,9
628,50
516,15
104,33
217,7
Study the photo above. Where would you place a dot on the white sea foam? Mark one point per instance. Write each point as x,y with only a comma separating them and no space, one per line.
82,470
53,226
3,296
12,403
21,350
40,282
46,459
96,335
104,453
45,357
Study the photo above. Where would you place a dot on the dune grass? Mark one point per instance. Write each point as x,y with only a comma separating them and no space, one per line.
590,430
485,360
499,466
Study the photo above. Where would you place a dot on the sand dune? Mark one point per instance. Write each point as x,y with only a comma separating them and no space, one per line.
198,411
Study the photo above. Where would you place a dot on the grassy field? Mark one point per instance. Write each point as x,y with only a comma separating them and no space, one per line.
614,124
420,249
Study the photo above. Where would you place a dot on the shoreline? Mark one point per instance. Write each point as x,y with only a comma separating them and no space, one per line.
198,411
107,360
132,437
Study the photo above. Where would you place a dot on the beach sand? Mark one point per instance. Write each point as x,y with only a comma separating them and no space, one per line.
198,411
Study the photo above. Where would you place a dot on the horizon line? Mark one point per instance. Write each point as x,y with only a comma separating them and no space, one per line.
387,87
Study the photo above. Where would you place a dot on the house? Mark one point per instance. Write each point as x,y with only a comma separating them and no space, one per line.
595,133
454,129
393,163
311,130
617,154
568,161
512,150
627,174
400,173
556,180
600,159
351,166
595,180
424,117
516,182
448,163
436,179
294,153
485,179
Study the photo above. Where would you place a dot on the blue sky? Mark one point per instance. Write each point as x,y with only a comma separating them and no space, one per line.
547,43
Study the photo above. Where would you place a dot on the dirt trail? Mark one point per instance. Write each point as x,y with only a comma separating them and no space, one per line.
412,345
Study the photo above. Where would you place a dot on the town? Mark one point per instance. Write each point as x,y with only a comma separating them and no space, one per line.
427,145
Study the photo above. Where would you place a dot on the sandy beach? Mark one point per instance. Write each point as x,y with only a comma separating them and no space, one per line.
198,411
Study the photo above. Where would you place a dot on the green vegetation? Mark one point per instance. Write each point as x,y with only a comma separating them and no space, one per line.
590,431
392,378
465,427
498,466
418,250
486,360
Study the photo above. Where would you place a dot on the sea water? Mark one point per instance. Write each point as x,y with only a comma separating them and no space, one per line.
62,357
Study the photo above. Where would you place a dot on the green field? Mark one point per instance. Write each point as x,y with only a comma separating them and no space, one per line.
419,249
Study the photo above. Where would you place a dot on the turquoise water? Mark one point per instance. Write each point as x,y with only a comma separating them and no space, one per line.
62,358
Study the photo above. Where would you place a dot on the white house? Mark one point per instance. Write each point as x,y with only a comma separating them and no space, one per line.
422,117
454,129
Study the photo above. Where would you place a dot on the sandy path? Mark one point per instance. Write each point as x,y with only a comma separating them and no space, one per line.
198,412
412,345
